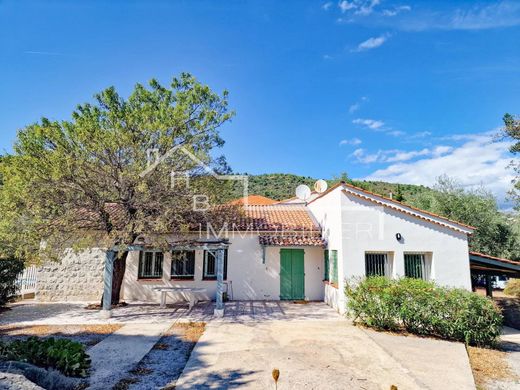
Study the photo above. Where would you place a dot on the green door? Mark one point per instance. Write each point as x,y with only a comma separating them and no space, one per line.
292,275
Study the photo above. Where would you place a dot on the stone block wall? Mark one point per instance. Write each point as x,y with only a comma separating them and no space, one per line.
78,277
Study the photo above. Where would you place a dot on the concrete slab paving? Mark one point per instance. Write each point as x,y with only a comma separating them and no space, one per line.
113,357
510,342
435,364
330,354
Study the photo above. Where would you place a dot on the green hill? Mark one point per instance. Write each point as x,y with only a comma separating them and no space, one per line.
280,186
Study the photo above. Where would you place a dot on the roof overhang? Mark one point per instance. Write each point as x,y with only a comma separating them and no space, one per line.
483,264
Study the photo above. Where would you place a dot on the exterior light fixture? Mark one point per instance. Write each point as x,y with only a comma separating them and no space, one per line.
398,236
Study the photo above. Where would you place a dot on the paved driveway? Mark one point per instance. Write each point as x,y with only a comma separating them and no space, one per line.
320,354
311,345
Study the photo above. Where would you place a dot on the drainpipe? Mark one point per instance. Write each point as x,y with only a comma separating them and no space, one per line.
219,306
107,292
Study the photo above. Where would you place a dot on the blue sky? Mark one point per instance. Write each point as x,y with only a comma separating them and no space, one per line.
393,90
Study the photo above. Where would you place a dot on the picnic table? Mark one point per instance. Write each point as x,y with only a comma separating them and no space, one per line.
189,293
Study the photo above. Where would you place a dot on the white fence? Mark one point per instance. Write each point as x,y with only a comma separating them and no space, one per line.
26,282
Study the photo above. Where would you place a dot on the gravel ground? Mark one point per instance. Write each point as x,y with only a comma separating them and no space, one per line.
162,366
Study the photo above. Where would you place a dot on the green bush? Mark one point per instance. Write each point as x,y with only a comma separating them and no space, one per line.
422,308
68,357
9,270
513,288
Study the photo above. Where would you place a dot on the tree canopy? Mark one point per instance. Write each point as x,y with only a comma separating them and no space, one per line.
65,175
511,131
495,233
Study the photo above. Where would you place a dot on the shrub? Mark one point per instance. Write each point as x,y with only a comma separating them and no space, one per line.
513,288
9,270
68,357
422,308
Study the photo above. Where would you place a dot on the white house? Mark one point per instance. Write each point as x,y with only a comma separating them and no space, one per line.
285,250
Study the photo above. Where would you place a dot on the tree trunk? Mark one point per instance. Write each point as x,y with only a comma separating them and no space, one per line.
117,279
119,273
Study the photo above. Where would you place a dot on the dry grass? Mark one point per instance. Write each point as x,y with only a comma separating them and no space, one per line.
123,384
192,330
140,370
489,365
49,330
161,346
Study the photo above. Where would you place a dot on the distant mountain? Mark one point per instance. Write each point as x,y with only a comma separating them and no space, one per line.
281,186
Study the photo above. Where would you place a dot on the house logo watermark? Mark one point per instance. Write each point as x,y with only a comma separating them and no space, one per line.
200,202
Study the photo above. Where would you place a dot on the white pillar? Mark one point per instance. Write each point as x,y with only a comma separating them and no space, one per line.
219,304
107,292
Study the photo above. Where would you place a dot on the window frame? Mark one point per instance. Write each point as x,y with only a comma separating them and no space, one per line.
141,265
185,259
205,261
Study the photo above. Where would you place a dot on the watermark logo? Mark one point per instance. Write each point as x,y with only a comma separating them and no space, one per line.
200,201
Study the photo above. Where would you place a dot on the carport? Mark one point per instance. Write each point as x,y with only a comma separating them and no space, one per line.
481,264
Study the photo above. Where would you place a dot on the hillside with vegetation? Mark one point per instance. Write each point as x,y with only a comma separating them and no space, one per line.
281,186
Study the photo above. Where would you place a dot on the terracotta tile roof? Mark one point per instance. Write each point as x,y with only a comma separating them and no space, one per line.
254,200
277,217
292,240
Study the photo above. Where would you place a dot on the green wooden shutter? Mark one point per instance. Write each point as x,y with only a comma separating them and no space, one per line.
285,274
326,265
298,274
334,266
414,265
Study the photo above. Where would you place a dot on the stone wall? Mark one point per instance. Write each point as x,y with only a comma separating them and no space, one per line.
77,277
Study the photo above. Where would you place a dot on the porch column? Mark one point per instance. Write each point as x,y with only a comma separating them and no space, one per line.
489,286
219,306
107,282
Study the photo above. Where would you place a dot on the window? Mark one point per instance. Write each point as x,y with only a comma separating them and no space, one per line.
210,264
150,265
376,264
415,266
326,266
183,265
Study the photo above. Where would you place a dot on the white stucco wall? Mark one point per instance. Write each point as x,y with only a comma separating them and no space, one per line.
251,279
327,212
354,226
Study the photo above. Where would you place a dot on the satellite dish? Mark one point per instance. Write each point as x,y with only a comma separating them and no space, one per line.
320,186
303,192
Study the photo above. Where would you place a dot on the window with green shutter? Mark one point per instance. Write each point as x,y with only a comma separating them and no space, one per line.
415,266
333,260
376,264
326,266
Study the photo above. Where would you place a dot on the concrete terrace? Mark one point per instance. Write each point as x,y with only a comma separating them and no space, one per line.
32,313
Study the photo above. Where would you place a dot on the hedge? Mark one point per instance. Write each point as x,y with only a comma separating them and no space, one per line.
68,357
9,271
513,288
422,308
